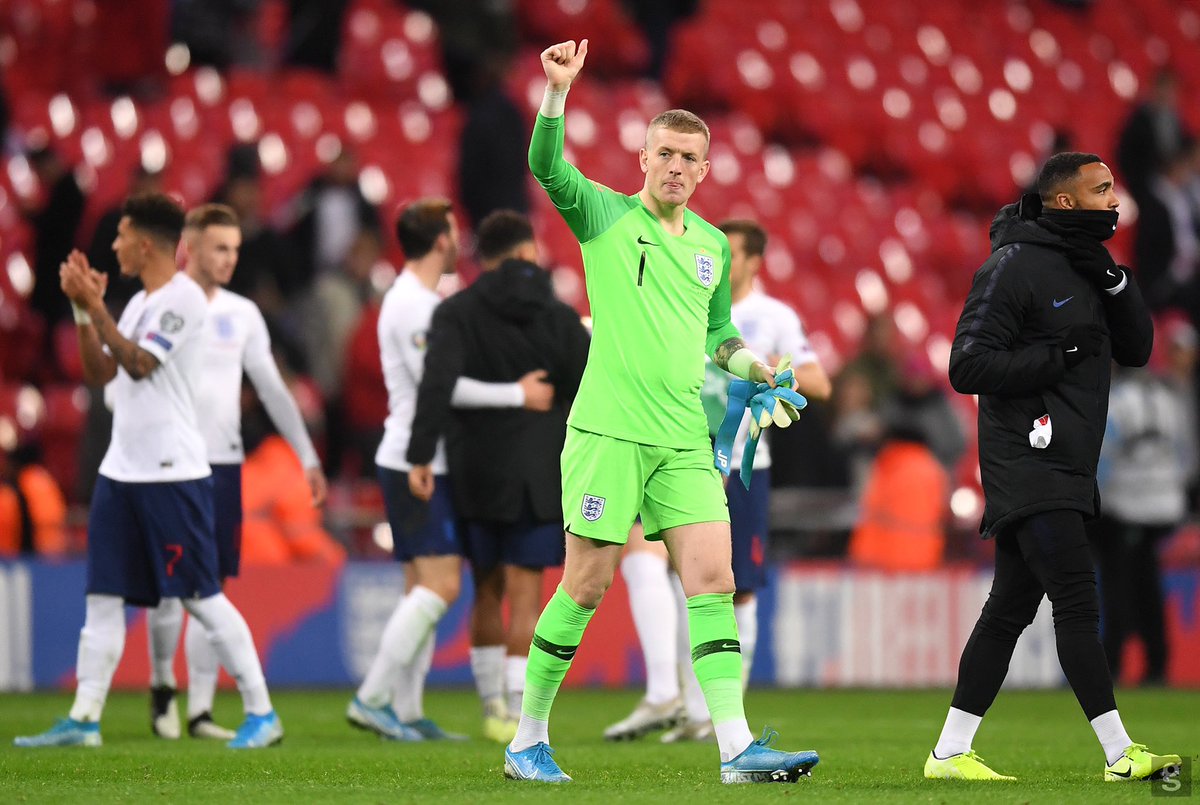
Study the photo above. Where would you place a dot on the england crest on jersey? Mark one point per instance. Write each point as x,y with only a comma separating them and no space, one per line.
704,269
593,507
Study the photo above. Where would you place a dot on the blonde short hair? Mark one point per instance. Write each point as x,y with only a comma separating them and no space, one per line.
680,120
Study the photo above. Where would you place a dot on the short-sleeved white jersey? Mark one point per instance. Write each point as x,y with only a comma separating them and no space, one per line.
236,340
769,328
155,435
403,327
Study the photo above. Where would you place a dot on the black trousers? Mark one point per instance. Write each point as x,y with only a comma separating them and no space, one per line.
1131,597
1045,554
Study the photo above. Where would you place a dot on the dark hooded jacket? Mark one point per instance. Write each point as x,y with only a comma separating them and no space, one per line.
504,462
1007,350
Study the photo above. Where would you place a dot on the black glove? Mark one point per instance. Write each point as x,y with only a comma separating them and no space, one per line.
1082,341
1091,259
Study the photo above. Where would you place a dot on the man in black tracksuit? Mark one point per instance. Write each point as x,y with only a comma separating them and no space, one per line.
1047,313
504,462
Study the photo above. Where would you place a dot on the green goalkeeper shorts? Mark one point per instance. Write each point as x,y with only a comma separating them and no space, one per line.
608,482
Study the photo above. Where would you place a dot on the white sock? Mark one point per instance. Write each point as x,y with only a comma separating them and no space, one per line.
694,705
1112,734
656,621
514,680
957,734
101,643
408,694
530,731
732,738
203,668
411,622
234,645
487,666
746,616
163,625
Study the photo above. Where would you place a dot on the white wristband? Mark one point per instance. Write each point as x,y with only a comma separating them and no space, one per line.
1120,286
81,315
741,361
554,102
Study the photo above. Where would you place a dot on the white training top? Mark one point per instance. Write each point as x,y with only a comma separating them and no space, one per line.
235,338
155,436
769,327
403,325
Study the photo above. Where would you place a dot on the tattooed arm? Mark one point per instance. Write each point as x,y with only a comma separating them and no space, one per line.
133,359
735,357
85,288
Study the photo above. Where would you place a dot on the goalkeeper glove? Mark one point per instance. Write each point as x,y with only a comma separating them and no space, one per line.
780,406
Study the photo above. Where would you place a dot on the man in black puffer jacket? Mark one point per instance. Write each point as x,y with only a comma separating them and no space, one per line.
504,463
1047,314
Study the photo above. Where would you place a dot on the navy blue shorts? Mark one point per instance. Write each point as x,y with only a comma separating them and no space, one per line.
525,544
748,526
150,541
227,503
420,528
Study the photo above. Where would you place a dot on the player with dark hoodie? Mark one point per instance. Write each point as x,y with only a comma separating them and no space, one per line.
1047,313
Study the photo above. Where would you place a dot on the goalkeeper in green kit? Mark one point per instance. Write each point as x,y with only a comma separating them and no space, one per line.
637,438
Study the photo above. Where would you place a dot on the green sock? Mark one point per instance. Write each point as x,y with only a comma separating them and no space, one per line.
717,655
555,639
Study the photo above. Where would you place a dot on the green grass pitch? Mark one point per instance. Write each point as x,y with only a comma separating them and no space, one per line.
872,745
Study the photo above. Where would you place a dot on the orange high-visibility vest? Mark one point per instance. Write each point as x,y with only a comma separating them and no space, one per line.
903,509
47,511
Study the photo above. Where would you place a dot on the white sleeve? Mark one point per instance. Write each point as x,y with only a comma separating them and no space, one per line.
410,342
260,366
472,393
178,318
792,340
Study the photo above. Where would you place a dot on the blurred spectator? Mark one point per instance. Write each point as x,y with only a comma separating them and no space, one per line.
878,359
55,224
919,412
100,253
281,525
857,425
903,513
1147,462
33,512
217,32
266,271
329,216
860,391
315,33
1167,243
1152,133
657,18
492,167
901,526
364,398
333,309
473,34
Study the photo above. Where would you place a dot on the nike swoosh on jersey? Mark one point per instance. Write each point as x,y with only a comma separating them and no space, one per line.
1063,302
642,240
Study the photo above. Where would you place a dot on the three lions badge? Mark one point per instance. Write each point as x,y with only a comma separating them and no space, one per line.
593,507
705,269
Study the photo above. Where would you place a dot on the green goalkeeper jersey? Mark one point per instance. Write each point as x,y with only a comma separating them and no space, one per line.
659,302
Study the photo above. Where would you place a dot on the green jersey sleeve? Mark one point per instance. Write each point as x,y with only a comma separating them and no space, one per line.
587,209
720,322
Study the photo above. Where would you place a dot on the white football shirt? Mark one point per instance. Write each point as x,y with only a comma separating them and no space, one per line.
155,435
236,339
403,327
769,327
